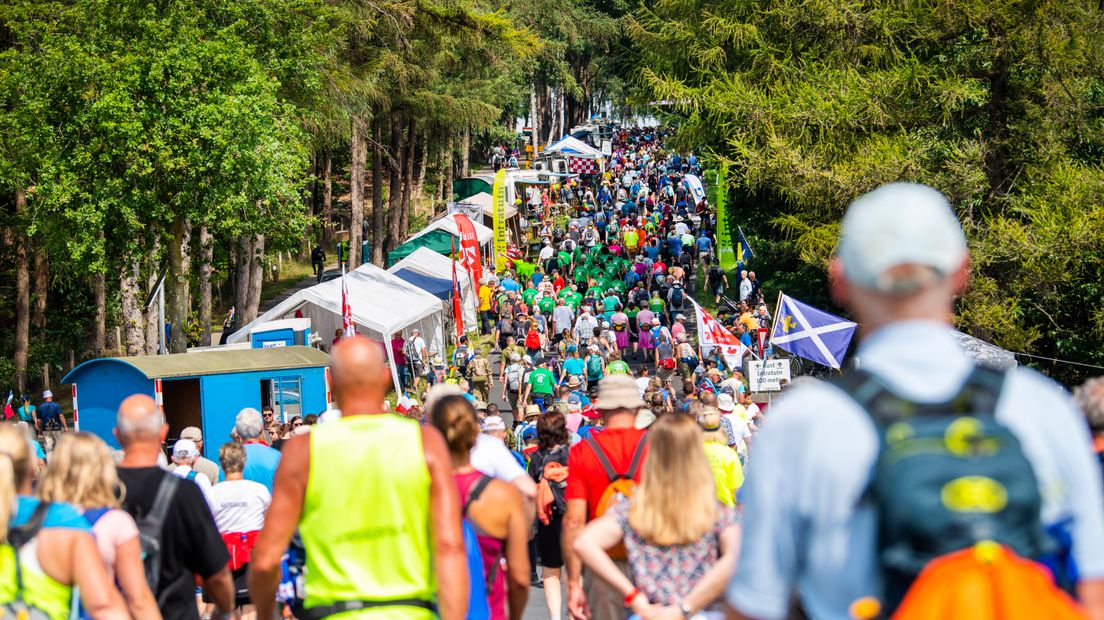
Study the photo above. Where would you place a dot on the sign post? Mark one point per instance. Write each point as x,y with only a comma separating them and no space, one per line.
763,331
767,375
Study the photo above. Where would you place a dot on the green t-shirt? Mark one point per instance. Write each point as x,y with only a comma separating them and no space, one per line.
581,274
528,295
610,303
594,291
565,258
542,381
546,304
573,299
655,304
618,367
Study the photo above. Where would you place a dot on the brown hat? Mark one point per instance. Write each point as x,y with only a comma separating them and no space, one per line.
532,411
573,382
191,432
618,392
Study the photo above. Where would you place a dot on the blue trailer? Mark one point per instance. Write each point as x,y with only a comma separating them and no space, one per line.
204,389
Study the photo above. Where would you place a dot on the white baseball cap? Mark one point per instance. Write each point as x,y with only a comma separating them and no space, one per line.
493,423
899,224
185,448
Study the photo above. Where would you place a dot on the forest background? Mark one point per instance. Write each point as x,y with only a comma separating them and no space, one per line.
216,141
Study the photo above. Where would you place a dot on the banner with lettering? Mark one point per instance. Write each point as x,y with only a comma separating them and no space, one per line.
726,253
498,204
469,249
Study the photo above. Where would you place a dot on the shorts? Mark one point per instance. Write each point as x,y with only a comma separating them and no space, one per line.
718,289
549,547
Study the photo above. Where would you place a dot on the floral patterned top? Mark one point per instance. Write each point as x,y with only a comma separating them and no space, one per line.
667,574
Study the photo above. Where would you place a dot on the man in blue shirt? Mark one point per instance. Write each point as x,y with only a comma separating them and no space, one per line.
49,413
260,459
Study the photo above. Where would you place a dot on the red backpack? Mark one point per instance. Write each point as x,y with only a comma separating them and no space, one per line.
532,339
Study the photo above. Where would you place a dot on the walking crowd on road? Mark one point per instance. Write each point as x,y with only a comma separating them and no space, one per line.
592,444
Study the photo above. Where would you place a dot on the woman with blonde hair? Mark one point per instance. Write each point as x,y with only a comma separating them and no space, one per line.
681,542
728,472
47,548
82,473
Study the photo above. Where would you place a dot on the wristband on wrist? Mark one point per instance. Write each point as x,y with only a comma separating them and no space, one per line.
631,596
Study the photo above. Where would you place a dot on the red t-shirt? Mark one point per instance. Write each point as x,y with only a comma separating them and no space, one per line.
586,479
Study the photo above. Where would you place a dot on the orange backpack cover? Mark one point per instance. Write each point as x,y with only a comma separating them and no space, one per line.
986,582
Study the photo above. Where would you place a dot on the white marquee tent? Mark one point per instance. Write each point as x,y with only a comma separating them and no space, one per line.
429,263
382,305
448,224
574,147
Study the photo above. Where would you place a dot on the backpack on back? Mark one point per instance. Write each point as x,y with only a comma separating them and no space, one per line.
622,485
677,297
949,477
594,366
18,536
150,527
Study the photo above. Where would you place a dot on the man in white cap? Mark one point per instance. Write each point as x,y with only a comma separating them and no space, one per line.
184,457
625,448
202,464
416,355
901,261
49,413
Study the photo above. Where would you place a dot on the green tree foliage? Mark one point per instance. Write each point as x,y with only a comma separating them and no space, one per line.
997,104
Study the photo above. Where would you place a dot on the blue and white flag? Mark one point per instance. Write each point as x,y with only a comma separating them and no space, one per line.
810,333
743,248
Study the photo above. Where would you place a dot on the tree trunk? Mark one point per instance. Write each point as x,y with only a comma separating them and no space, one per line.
131,309
176,291
206,257
356,181
394,186
534,115
99,322
408,175
256,277
243,272
327,199
561,102
465,152
377,191
41,287
22,298
552,116
449,168
996,156
422,164
153,325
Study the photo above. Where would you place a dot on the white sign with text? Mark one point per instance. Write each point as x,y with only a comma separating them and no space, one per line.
767,376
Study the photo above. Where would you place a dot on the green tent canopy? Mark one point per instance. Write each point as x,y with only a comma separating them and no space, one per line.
437,240
467,187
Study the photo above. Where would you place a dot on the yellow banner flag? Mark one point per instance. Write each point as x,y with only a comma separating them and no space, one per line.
498,203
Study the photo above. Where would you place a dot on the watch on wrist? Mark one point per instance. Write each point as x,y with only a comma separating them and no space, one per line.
686,610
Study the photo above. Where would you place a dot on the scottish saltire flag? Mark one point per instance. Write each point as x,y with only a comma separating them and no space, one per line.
810,333
743,248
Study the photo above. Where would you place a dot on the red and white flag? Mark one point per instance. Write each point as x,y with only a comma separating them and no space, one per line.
346,310
469,249
457,306
711,333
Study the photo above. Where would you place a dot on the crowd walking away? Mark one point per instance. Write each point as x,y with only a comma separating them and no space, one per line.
592,449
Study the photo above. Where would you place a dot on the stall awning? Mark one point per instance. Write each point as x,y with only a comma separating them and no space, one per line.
437,240
435,286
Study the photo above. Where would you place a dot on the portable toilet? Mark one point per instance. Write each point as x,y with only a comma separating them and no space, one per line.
282,333
204,389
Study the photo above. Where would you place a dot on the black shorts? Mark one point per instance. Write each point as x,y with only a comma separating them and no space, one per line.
548,543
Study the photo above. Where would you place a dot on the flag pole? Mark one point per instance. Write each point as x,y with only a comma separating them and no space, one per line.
774,319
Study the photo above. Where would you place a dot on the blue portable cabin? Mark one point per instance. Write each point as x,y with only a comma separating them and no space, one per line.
204,389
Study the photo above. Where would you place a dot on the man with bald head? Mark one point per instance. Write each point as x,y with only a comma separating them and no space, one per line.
190,541
373,498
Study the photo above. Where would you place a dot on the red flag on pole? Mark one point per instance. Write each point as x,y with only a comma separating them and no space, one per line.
469,249
346,309
457,310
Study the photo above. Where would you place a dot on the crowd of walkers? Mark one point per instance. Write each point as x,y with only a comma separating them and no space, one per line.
625,463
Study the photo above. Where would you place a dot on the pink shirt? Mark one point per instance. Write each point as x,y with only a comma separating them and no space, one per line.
111,530
677,329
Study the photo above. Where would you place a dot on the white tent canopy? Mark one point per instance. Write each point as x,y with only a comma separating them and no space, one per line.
429,263
575,147
486,202
448,224
382,305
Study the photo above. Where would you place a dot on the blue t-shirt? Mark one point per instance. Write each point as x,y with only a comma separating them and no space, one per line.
574,366
652,251
260,464
745,339
49,411
674,245
38,449
537,277
704,243
59,515
510,284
